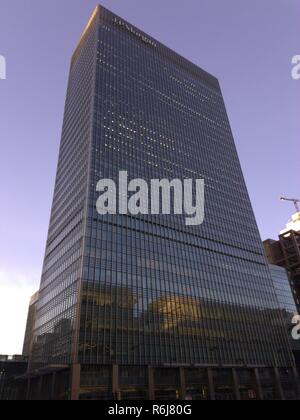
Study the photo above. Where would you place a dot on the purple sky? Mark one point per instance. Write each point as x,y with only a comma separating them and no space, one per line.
247,44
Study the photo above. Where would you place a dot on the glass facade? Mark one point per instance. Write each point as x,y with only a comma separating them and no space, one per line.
57,307
149,290
283,290
286,295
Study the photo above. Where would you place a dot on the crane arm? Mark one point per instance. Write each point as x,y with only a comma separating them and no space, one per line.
296,202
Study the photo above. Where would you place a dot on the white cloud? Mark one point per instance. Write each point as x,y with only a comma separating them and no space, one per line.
15,291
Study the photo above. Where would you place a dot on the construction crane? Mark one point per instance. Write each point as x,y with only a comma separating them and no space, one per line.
293,200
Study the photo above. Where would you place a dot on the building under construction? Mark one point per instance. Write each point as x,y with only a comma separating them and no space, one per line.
285,252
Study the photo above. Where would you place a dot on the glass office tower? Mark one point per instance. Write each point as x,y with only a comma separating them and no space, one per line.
284,292
145,306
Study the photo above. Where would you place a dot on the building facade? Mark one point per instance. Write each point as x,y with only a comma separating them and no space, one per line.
143,306
293,224
287,299
283,290
285,252
30,325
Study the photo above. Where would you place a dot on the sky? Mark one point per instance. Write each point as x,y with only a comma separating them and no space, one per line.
247,44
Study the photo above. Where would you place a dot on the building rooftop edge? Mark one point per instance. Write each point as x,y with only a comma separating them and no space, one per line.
99,7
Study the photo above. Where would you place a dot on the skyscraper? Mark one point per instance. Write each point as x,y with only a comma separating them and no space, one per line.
144,306
30,325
